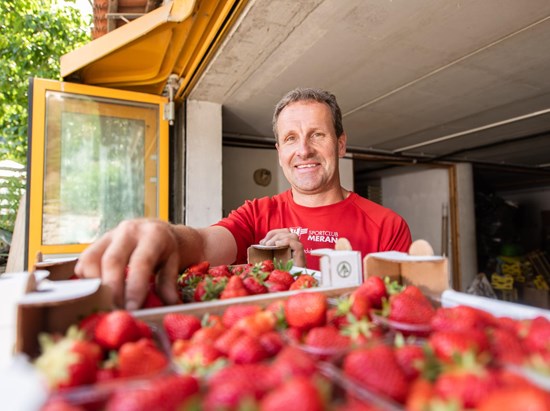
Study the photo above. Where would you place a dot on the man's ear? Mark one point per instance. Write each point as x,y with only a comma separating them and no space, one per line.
342,140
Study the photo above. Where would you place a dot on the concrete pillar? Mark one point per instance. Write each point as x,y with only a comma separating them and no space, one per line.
203,179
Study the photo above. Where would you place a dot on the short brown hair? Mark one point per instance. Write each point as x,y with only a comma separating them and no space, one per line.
310,94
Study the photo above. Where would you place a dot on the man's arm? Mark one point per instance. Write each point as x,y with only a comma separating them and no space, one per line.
148,247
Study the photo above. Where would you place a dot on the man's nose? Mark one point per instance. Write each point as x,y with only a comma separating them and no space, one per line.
305,148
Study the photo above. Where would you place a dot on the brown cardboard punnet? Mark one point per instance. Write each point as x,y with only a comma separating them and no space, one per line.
419,267
258,253
59,269
52,306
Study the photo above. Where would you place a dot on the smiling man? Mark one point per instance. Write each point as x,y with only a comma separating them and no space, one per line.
314,213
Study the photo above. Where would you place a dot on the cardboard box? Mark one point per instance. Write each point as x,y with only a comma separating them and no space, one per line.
59,269
428,272
258,253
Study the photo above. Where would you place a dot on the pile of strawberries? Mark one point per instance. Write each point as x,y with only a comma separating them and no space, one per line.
380,347
203,282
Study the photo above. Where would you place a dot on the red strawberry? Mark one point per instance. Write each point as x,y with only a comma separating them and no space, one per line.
88,324
410,307
234,288
304,281
179,326
267,266
168,393
246,350
377,369
410,358
306,310
537,338
516,398
299,393
144,330
60,404
207,335
241,270
219,271
325,341
447,344
254,286
374,289
468,387
237,385
140,358
257,324
196,357
292,361
506,347
272,342
152,299
225,341
199,268
209,288
234,313
460,318
275,287
69,361
116,328
282,277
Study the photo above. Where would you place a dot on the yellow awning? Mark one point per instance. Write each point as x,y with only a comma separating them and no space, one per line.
141,55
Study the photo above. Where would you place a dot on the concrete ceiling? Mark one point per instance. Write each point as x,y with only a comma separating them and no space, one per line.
453,79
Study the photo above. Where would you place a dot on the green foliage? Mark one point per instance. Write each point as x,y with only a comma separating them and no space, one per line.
12,188
35,34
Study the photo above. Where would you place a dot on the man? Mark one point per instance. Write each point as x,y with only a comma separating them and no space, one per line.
317,210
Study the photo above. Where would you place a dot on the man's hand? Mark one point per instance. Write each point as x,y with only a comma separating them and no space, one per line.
283,237
146,247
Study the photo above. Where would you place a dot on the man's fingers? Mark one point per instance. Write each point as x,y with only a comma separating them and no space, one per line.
167,279
89,262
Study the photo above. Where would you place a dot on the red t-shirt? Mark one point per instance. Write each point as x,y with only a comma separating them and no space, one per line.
368,226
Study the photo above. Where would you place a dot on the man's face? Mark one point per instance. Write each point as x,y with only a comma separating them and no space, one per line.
308,147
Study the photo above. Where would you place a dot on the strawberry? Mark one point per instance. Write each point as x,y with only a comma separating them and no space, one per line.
448,344
272,342
292,361
236,385
144,330
306,310
207,335
377,369
199,268
254,286
257,324
197,357
326,341
537,338
410,307
460,318
226,340
516,398
246,350
299,393
267,266
69,361
282,277
410,358
275,287
140,358
167,393
421,396
234,313
60,404
468,386
179,326
88,324
242,270
209,288
374,289
152,299
304,281
506,347
115,329
219,271
234,288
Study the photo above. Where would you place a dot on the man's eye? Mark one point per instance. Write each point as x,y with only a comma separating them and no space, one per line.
290,139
